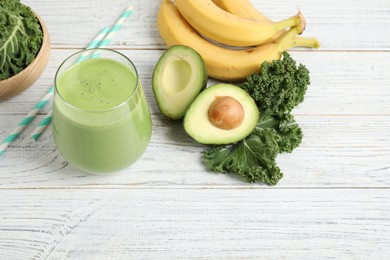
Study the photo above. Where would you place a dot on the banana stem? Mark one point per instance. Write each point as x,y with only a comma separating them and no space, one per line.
298,20
287,41
306,42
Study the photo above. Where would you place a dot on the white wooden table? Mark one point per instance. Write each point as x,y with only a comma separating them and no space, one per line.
334,199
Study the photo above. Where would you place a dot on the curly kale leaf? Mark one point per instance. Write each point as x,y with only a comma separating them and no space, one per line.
20,39
290,134
288,130
280,86
254,158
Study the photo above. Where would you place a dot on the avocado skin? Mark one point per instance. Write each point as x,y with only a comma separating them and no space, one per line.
165,101
198,126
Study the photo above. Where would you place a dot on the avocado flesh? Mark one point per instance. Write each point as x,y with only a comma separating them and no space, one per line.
179,76
198,126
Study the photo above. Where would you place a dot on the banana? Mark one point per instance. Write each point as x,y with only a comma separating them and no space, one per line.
245,9
223,27
221,63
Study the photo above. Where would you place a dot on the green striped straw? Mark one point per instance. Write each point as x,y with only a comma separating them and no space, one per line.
30,117
103,43
41,126
117,26
26,120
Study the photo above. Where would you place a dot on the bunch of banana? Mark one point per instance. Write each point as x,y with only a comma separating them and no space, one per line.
186,22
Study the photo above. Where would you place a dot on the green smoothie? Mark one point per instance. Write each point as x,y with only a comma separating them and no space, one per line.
101,121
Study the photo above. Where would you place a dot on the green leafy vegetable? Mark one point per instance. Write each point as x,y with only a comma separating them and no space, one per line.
279,88
20,38
252,158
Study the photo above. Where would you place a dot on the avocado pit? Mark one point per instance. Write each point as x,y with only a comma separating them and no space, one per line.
226,113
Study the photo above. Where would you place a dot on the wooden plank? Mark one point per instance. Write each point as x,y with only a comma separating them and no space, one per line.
337,151
195,224
363,27
342,83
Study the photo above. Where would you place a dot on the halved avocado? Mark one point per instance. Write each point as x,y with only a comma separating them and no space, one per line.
178,77
221,114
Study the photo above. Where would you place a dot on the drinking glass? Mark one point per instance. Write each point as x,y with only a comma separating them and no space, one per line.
101,120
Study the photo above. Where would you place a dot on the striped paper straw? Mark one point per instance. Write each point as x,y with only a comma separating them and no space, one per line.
94,43
117,26
41,127
26,120
30,117
103,43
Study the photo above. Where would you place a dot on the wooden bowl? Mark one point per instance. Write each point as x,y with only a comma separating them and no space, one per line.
24,79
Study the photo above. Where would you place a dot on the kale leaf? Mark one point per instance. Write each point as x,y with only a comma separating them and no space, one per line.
289,133
279,88
254,158
20,38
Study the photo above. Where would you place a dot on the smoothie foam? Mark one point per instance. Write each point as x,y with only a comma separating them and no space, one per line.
97,84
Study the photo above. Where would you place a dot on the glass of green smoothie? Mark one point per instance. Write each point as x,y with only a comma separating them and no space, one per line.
101,120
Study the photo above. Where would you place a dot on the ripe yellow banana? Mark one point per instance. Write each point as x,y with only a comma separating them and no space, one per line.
221,26
244,8
221,63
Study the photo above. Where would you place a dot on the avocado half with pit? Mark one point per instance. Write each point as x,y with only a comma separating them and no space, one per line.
221,114
178,77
